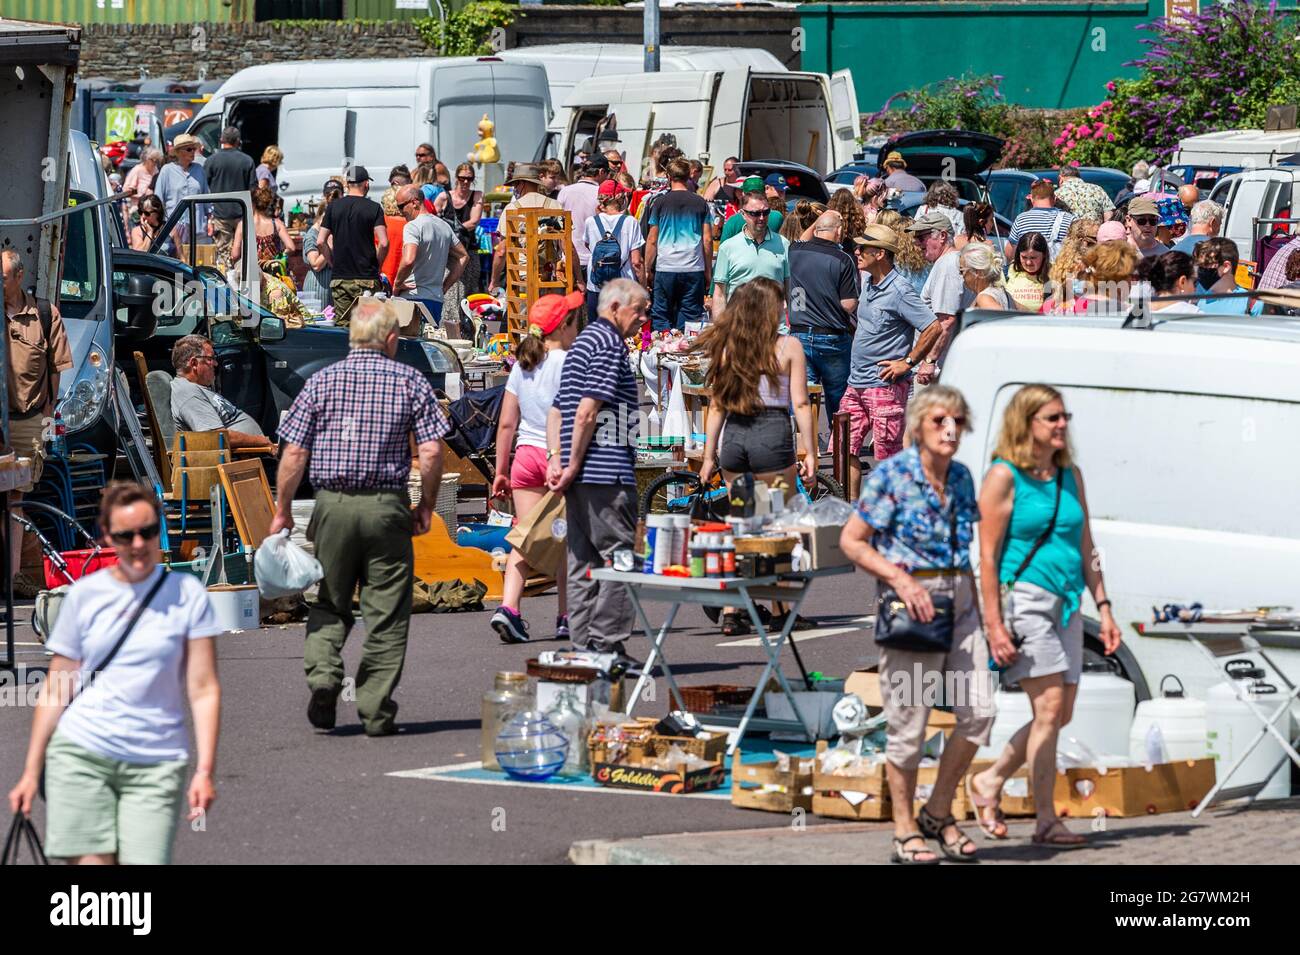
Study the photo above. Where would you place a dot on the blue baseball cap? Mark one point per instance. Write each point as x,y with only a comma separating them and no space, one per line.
776,180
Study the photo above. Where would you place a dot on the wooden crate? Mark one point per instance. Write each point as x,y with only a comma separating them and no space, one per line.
748,782
538,262
711,747
878,805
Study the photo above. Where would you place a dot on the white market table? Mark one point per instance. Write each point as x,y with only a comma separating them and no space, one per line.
790,589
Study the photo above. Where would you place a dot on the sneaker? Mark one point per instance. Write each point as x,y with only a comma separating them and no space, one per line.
321,709
510,627
562,627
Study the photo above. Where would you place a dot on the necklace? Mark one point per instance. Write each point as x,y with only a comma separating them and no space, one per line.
1044,474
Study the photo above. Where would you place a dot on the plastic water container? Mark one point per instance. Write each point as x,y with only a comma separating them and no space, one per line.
1181,721
1013,712
1103,711
1231,726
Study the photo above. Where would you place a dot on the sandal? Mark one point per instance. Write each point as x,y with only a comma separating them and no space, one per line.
905,856
1056,835
800,623
990,827
735,625
933,827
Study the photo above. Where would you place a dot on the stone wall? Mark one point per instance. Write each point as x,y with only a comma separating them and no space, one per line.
214,51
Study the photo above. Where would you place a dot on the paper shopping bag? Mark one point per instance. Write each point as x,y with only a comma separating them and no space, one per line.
540,536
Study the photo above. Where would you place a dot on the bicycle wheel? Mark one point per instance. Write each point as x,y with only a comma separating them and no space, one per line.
671,493
825,486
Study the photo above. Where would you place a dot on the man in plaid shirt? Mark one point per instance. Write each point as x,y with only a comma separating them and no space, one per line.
353,422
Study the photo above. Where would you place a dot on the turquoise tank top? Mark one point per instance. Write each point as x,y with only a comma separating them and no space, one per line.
1058,565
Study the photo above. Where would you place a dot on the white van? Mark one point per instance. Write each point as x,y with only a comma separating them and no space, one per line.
567,64
322,112
1186,436
1247,148
809,118
1254,201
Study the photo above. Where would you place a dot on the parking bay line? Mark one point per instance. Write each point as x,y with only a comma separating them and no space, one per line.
802,636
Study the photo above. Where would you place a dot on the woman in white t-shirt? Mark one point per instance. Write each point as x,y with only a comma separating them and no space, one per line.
530,392
612,200
109,728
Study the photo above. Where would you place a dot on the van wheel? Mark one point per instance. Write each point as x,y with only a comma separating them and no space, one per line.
1123,663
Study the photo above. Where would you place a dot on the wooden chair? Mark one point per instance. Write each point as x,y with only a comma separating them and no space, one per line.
155,388
249,495
195,457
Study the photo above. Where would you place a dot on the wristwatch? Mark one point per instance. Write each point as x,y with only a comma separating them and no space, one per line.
551,452
909,361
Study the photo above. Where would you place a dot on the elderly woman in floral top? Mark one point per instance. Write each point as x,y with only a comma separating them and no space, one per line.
903,534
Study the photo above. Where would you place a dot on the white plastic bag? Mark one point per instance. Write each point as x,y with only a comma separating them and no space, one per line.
283,568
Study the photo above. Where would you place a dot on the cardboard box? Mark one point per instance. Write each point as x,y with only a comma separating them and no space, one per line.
816,706
763,786
866,685
1133,790
647,779
836,806
822,544
410,314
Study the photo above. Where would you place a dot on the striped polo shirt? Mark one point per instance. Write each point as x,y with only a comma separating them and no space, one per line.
597,366
1052,224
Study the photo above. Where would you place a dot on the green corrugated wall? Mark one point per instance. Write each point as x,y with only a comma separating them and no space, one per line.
128,11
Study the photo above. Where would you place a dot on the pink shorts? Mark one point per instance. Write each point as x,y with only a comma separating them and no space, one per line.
882,411
528,468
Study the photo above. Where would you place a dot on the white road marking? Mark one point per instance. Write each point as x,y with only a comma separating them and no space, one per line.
440,773
801,636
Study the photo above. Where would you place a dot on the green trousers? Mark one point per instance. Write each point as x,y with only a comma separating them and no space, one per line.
344,294
362,537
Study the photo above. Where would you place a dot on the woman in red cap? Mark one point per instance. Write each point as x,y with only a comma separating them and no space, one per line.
530,391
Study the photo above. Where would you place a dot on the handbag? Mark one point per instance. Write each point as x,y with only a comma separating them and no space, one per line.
540,535
22,830
1006,589
108,658
897,629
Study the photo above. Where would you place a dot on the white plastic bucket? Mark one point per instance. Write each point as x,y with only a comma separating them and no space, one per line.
1181,720
1231,726
236,606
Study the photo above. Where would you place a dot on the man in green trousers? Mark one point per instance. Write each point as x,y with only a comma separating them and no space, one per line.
352,422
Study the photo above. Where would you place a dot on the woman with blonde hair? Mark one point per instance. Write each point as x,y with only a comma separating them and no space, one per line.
872,194
267,172
982,274
913,530
1037,551
855,222
1108,281
798,225
909,260
1066,275
756,376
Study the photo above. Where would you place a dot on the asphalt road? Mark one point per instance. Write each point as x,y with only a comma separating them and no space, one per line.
290,794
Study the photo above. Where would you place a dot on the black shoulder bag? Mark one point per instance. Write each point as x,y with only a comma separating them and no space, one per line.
130,625
20,830
1006,589
897,629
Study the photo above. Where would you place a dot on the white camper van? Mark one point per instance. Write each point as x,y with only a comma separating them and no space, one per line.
1185,433
568,64
375,112
1245,148
1258,202
809,118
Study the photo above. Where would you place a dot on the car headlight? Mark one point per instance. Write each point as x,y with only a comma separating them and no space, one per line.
442,357
85,399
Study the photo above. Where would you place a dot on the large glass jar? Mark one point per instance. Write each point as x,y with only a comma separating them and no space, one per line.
510,694
569,715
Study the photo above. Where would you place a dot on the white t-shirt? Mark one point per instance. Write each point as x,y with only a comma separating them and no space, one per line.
629,238
944,287
535,391
134,710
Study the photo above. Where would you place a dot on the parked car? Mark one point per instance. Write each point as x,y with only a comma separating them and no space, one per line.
1158,436
1009,188
801,182
960,157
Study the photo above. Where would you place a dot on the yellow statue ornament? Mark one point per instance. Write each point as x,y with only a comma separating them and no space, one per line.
485,150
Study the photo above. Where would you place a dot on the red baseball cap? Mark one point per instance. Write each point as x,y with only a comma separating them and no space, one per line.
549,311
612,187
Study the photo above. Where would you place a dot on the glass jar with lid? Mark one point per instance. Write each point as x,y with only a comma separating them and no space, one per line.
511,693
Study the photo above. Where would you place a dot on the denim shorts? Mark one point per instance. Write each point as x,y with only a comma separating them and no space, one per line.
757,443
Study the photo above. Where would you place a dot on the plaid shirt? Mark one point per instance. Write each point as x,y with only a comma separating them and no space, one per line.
354,418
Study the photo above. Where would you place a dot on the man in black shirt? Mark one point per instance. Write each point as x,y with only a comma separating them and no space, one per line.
824,288
360,244
230,170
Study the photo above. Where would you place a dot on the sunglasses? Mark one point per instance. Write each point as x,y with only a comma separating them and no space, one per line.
402,205
940,420
127,537
464,178
1055,418
756,213
1145,220
424,155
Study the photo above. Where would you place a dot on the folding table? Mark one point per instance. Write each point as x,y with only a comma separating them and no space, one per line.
1215,641
791,589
